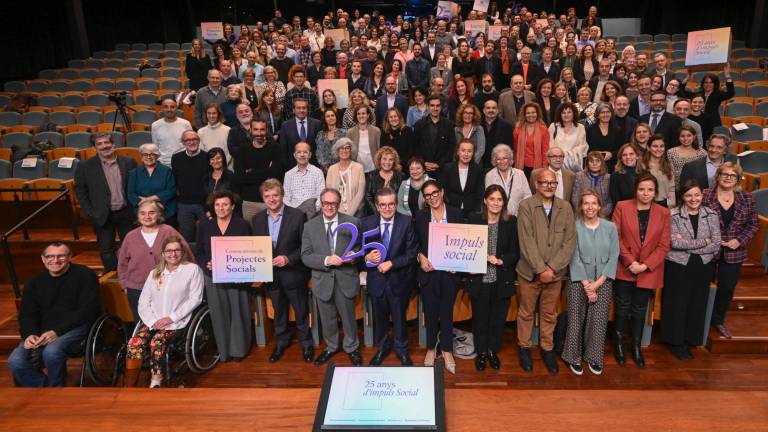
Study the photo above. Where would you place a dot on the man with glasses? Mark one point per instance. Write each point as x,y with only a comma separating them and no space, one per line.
565,177
389,281
56,312
661,121
101,186
190,168
703,169
166,131
335,279
547,232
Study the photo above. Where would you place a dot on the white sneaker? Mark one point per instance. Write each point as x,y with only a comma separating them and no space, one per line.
595,369
576,369
156,381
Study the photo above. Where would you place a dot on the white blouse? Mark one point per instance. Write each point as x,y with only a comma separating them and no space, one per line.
573,144
516,186
364,155
175,295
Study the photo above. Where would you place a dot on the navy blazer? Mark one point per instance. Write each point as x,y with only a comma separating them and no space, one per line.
401,103
507,250
295,274
697,170
289,137
402,251
423,218
669,126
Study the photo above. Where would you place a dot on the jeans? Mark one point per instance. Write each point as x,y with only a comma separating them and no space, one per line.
727,278
54,358
187,215
120,221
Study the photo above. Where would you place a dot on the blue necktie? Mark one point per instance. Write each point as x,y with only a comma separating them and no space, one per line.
654,122
302,131
385,236
329,231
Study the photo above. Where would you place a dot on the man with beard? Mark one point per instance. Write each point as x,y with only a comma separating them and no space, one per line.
240,135
255,163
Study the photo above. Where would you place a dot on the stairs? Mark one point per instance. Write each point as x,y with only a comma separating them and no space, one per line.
748,317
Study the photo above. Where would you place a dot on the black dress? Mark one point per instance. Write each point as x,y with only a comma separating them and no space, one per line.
605,143
196,71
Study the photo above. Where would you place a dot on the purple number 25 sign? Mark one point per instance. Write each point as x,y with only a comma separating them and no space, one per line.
365,247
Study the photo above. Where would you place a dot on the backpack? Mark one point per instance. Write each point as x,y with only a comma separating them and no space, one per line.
36,149
463,344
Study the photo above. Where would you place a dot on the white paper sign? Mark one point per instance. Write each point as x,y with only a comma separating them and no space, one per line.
458,247
475,26
447,9
481,5
337,35
339,87
708,47
66,162
740,126
212,31
29,162
494,32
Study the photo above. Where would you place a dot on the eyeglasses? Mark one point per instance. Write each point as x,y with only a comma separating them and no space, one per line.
432,195
329,204
190,139
149,155
556,156
172,251
729,175
547,183
55,257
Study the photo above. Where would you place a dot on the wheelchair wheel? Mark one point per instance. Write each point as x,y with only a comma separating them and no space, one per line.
105,350
200,348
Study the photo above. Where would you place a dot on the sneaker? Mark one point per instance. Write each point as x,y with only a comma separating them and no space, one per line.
576,368
595,369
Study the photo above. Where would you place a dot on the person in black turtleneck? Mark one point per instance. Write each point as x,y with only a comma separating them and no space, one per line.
622,185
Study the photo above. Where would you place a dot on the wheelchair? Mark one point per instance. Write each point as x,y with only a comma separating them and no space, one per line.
105,348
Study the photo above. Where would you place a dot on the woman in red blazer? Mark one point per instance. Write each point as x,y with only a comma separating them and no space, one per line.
531,139
644,236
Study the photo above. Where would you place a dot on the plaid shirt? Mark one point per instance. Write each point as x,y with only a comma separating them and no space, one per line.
744,224
299,93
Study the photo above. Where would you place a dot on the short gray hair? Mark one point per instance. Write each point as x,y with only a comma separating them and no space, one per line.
149,148
344,141
501,148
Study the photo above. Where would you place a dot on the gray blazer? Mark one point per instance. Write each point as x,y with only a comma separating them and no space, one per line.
596,254
314,250
93,191
446,75
683,244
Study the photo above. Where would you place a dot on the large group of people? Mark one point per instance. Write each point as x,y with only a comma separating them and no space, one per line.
594,172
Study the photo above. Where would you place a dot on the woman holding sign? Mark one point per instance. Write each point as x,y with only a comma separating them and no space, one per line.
491,291
228,302
438,287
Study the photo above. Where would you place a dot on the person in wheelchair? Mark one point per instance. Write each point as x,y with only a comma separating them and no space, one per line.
171,293
140,250
56,311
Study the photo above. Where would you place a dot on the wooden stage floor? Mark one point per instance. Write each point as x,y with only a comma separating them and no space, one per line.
467,410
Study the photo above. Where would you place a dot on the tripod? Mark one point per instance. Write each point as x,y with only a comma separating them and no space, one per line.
121,112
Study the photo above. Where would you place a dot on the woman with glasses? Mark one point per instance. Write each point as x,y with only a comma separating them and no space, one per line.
643,228
153,181
512,180
438,287
141,249
347,176
491,291
228,302
468,127
172,291
738,226
409,197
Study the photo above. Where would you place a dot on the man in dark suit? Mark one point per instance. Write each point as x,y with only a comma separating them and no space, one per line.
389,282
662,122
641,104
335,280
289,287
548,68
101,185
300,128
435,139
490,64
703,170
391,98
660,62
622,120
497,130
430,50
527,69
597,83
356,80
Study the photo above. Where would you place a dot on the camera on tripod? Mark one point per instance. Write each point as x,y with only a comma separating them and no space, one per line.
118,97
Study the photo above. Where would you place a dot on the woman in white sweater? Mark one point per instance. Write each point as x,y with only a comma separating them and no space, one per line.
568,134
511,179
347,176
215,133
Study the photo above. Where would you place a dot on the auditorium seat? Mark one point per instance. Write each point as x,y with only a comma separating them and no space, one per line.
90,118
134,56
5,168
122,47
56,138
69,74
61,152
131,152
78,140
10,118
76,63
48,74
155,46
171,62
110,116
172,46
100,54
145,98
139,46
11,183
752,75
758,91
738,109
61,173
34,118
171,72
186,46
81,85
111,71
93,63
762,109
137,138
144,117
89,74
62,118
5,153
125,84
148,84
49,100
38,85
679,46
97,98
753,133
60,85
170,84
73,99
29,173
129,72
17,139
14,86
745,63
86,153
104,84
150,73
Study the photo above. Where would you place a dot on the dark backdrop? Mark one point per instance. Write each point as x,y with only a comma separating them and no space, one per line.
43,34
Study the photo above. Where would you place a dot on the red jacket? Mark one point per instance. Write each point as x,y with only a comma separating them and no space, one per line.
653,250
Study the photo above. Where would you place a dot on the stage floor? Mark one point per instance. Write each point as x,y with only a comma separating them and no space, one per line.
467,410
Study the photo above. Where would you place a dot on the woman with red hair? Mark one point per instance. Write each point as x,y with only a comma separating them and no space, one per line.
531,139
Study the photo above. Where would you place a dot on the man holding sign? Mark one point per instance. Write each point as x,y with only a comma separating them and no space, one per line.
389,282
547,233
335,280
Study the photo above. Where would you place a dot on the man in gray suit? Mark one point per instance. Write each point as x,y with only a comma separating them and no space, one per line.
101,185
335,281
510,101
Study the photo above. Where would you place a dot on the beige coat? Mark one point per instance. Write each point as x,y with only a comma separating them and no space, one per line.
544,243
507,109
352,190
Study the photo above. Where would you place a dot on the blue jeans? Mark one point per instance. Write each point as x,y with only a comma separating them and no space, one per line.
187,214
54,359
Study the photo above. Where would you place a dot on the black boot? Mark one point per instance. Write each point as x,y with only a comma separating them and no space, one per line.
637,336
618,333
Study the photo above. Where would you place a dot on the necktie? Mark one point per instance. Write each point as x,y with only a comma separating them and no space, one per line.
302,131
329,232
654,122
385,236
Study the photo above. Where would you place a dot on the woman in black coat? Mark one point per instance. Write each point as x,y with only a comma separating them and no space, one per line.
196,66
468,197
578,69
491,291
396,134
438,287
714,95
